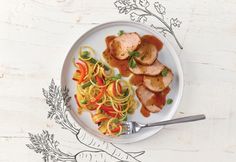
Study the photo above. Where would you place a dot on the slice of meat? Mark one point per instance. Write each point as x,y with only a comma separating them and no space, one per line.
108,40
122,45
159,82
153,40
152,70
147,53
147,98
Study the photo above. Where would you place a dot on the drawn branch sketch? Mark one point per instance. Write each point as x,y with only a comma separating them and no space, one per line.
140,11
58,99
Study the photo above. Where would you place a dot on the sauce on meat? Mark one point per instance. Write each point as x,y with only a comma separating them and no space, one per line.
136,80
153,40
122,65
145,112
159,99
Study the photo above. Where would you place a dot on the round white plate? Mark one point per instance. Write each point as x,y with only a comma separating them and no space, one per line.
96,39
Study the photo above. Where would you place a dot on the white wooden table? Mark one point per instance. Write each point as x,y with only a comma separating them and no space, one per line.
35,36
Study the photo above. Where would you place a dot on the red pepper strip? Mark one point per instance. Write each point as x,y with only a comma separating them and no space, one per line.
83,69
84,64
98,97
82,72
109,110
99,80
112,114
116,130
100,94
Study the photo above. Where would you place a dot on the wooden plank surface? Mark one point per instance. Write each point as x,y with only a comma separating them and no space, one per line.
35,36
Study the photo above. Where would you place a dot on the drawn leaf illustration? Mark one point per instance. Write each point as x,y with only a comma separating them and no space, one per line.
160,8
175,22
124,6
58,101
144,3
138,18
46,145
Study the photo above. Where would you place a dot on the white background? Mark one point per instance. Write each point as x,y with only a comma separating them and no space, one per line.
35,36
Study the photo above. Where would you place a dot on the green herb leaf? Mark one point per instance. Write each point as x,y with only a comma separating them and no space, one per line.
83,101
164,72
85,53
121,32
87,84
94,61
106,67
116,77
134,54
132,63
169,101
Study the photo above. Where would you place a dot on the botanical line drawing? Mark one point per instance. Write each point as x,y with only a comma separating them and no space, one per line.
140,11
58,99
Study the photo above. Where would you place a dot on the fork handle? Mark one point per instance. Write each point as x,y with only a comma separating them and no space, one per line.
178,120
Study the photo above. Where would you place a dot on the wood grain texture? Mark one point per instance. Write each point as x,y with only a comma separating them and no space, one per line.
35,36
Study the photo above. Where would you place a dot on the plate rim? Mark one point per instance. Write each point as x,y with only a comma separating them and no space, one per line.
172,52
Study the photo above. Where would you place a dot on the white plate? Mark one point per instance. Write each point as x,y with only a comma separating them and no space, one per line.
96,39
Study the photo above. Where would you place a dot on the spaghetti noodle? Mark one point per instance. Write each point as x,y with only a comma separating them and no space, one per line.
107,97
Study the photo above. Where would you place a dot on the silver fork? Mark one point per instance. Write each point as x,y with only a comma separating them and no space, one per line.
131,127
